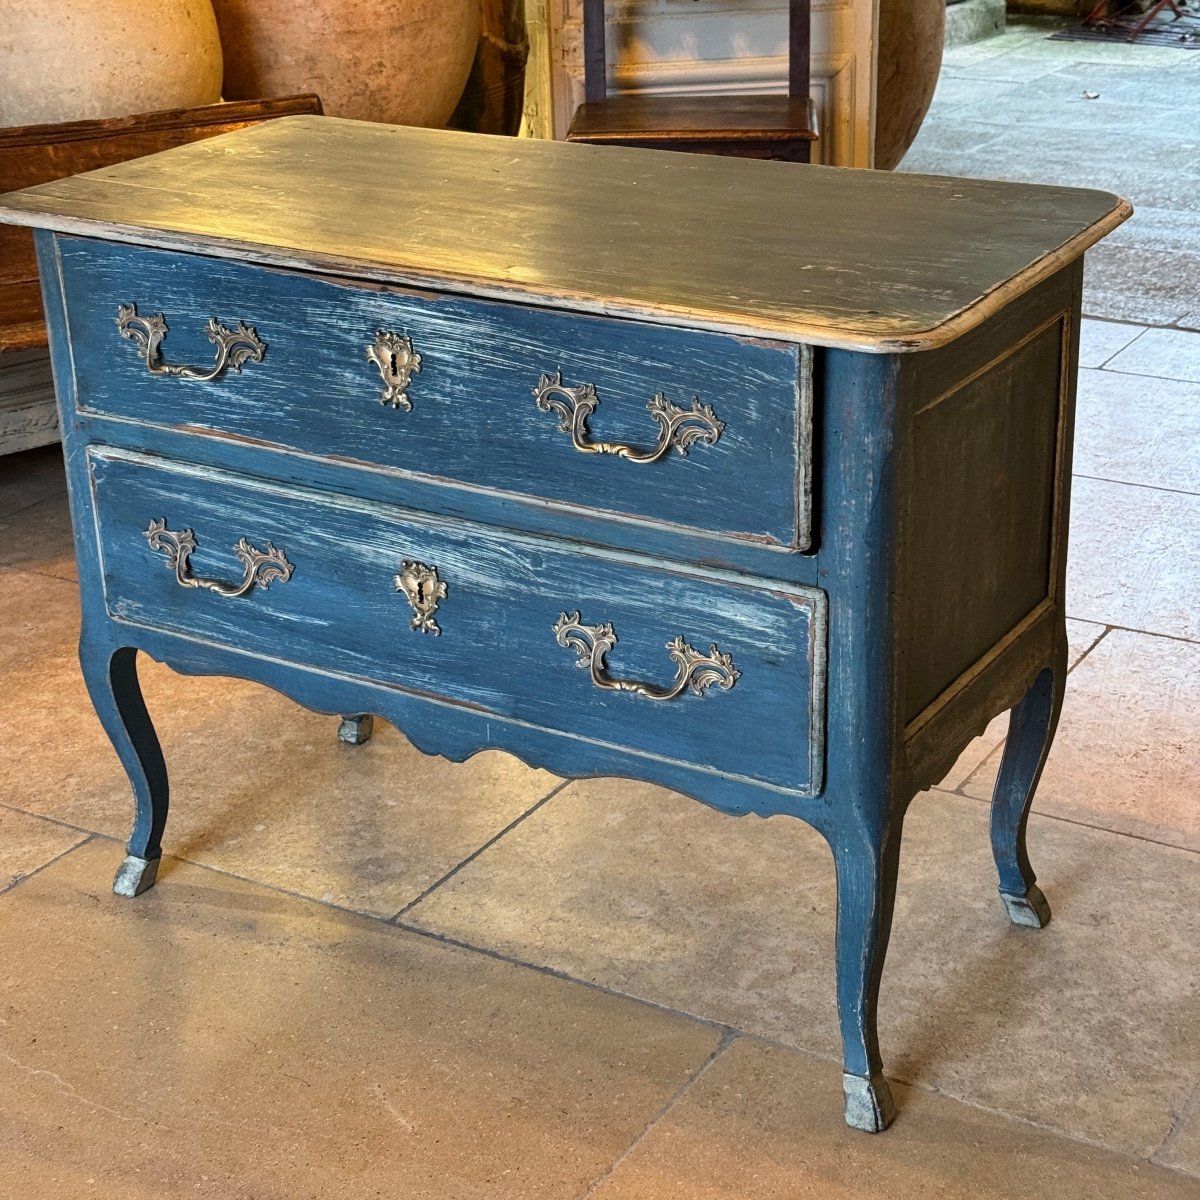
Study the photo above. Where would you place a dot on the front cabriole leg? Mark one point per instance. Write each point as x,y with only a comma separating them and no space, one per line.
111,676
866,882
1030,733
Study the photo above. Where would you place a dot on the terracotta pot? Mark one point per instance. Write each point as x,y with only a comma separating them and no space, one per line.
70,60
910,57
399,61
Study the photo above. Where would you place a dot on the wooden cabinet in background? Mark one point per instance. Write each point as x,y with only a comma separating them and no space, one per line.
33,154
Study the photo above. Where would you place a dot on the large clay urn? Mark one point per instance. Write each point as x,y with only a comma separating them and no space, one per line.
911,33
399,61
72,60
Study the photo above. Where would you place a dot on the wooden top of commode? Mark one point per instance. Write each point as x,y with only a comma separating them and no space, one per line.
862,260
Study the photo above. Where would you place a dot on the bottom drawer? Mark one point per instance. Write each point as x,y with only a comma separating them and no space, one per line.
651,659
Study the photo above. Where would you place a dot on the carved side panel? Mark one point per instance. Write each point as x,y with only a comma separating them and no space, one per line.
979,519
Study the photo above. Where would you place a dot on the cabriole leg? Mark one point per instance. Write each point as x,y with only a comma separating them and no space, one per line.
1030,733
356,728
112,681
866,879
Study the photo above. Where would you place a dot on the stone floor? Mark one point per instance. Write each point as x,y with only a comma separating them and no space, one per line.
368,973
1085,114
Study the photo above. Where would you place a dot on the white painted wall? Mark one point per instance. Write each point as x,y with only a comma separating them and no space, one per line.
712,46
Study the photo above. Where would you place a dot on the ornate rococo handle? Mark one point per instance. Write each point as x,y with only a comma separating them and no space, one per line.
234,346
262,567
678,427
692,669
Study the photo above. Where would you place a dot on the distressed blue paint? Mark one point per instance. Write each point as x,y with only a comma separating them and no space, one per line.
474,418
859,444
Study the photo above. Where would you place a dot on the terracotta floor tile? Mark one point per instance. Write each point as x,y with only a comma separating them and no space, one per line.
1087,1026
1134,558
1164,353
39,623
762,1123
216,1039
1131,429
38,538
1100,340
1183,1149
29,843
1127,753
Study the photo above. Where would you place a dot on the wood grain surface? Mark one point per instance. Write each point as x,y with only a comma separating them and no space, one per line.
847,259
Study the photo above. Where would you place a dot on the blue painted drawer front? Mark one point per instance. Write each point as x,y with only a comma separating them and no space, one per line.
474,418
341,611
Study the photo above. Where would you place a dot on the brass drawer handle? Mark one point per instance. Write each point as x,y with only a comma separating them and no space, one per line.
692,669
262,568
678,427
234,346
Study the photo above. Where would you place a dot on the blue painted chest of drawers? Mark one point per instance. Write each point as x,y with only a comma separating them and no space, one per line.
744,478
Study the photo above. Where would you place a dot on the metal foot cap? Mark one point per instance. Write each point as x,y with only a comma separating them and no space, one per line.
1030,910
135,875
869,1104
357,729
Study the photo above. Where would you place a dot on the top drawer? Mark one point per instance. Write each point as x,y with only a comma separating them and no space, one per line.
498,400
